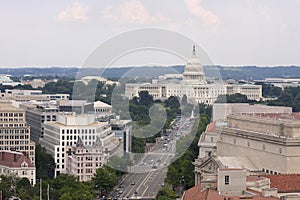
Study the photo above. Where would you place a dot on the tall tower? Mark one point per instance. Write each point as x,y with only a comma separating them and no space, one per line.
193,71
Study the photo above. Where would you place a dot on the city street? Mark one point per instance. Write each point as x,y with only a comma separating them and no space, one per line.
147,177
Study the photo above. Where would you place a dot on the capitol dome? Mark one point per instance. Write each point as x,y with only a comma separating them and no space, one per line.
193,71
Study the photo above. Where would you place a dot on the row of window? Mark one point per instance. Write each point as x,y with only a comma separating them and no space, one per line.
14,131
83,131
89,164
13,142
14,137
11,114
11,119
269,171
12,125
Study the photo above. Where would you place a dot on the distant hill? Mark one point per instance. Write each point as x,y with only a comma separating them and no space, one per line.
245,72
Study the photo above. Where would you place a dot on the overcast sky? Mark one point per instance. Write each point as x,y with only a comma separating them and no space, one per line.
232,32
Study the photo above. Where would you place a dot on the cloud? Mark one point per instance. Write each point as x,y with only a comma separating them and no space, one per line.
75,12
132,11
196,9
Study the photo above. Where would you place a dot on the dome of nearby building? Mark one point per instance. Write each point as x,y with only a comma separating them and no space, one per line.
193,71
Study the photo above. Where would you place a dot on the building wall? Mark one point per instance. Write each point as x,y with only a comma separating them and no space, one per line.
123,131
267,145
14,132
236,184
262,154
222,110
60,136
201,93
83,162
36,120
21,172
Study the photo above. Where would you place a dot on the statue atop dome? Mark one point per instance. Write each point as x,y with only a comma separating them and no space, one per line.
193,71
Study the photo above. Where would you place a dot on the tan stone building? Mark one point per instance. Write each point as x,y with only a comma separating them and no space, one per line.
14,131
261,143
84,160
270,141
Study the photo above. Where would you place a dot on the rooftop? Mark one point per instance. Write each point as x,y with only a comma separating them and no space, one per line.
13,159
285,116
212,194
285,182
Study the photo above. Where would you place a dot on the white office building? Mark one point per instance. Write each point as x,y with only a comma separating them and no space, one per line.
61,135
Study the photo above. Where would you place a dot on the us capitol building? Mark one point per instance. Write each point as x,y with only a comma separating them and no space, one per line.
193,84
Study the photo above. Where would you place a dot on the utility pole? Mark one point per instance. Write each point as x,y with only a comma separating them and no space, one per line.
48,196
41,198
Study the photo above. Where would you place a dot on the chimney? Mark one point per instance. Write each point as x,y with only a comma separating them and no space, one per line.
15,157
25,154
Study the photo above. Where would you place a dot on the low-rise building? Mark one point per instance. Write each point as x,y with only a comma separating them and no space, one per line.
232,184
84,160
31,95
17,164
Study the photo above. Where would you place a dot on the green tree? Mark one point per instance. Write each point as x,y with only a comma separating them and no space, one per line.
172,102
234,98
166,193
66,196
105,179
65,185
6,186
44,162
145,98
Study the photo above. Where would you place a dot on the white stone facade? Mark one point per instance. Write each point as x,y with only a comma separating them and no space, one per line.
194,86
59,136
83,161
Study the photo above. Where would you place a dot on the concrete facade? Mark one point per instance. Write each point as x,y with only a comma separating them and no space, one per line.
222,110
270,141
14,131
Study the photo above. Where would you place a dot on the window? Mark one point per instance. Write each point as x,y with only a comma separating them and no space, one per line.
226,180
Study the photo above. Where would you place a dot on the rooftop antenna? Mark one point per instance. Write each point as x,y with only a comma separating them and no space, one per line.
194,50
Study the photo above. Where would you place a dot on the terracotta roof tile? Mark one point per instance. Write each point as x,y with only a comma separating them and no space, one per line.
195,193
285,182
211,127
13,159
